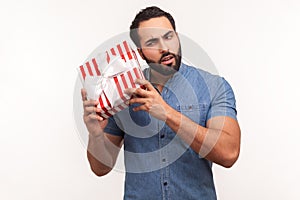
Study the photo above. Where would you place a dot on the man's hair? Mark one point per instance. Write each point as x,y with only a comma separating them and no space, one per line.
144,15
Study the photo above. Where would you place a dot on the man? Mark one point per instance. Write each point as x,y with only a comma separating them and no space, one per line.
174,130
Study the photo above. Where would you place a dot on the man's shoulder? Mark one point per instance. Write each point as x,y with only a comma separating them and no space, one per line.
193,71
213,82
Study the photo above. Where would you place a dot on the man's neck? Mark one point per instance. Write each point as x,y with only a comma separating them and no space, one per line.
159,80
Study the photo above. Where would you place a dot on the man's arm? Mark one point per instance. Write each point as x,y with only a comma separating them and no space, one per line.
218,142
103,148
102,152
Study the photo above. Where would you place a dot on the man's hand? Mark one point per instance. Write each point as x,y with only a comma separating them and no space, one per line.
150,100
94,123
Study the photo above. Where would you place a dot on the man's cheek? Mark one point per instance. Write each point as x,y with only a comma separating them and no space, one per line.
152,55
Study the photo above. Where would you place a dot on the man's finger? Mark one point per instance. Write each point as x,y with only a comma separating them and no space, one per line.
92,116
139,92
92,109
142,107
129,91
137,100
87,103
83,94
96,117
145,83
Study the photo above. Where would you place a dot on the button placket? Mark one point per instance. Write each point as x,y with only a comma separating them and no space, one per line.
163,137
164,143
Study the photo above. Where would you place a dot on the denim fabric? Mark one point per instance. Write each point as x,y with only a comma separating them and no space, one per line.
159,165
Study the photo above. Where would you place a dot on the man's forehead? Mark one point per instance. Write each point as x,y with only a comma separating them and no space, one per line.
153,32
156,27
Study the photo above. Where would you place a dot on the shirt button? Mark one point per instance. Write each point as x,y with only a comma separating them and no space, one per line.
165,183
164,160
162,136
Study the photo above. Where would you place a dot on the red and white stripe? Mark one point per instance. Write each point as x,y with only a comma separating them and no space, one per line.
90,68
122,81
122,50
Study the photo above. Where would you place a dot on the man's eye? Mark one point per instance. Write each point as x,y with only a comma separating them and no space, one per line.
169,36
150,43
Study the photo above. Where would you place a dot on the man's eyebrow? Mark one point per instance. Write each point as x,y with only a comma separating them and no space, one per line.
151,40
168,33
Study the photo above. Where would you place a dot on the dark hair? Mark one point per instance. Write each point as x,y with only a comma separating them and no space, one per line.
144,15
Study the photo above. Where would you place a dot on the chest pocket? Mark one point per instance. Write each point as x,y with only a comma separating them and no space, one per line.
196,112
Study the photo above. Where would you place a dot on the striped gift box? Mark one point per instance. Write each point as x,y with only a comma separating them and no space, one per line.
106,77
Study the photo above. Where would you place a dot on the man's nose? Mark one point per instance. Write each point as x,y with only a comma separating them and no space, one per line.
163,47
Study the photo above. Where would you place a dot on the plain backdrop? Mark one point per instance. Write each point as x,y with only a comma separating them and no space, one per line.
254,45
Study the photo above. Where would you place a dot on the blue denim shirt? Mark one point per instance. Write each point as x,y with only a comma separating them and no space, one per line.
159,165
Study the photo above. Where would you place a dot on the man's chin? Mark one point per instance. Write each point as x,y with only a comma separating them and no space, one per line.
163,69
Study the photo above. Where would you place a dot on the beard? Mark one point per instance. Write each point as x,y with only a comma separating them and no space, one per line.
165,70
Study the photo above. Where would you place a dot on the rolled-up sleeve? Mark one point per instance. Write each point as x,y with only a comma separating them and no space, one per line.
223,101
112,127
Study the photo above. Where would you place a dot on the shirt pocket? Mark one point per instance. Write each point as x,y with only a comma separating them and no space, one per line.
196,112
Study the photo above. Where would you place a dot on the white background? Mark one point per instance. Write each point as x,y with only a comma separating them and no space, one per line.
254,45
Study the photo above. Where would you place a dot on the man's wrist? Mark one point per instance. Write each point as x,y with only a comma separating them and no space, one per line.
169,112
96,136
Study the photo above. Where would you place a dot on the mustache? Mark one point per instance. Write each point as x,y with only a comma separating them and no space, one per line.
166,54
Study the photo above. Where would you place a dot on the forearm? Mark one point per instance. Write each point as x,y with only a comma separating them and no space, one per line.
213,144
102,154
218,142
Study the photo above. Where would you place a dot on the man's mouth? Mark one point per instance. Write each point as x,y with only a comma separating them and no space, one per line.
167,60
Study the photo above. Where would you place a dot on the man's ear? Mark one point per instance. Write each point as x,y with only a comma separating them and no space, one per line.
141,53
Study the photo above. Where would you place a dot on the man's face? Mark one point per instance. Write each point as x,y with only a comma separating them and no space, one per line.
160,46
